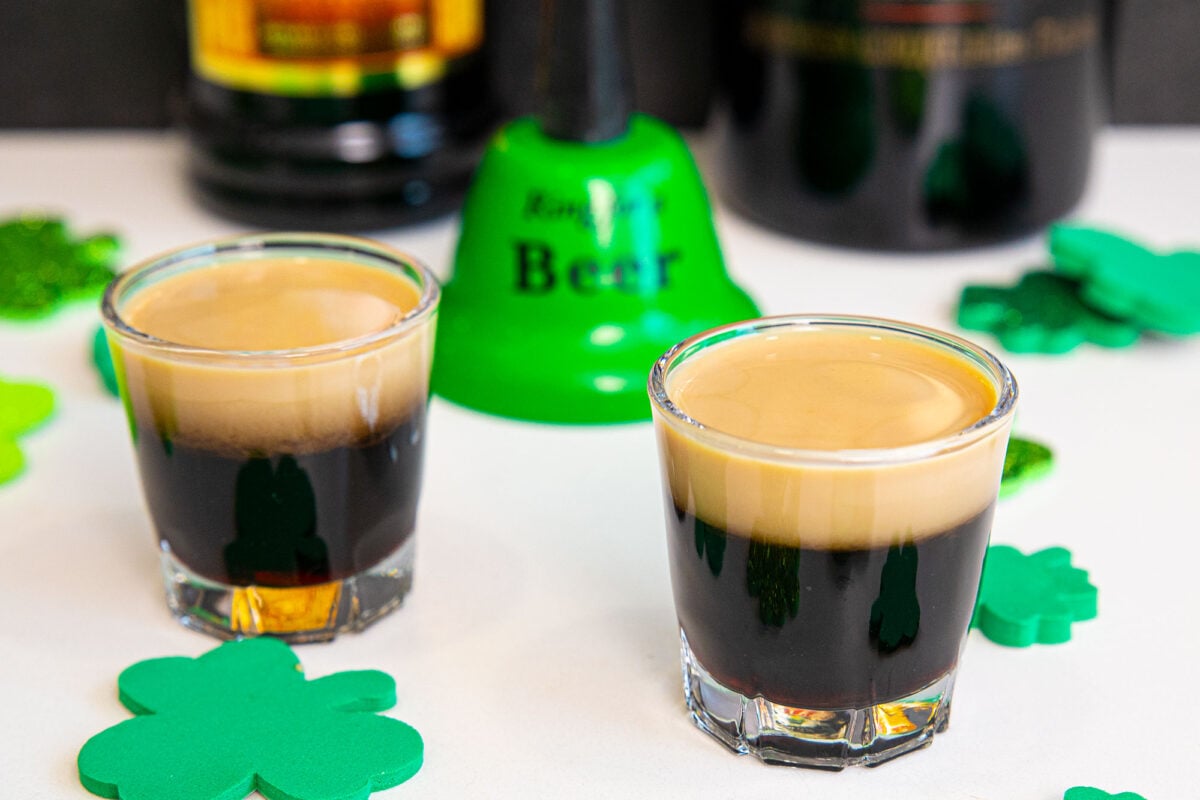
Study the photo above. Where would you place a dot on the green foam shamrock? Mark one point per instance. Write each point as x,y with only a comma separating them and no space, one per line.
1159,292
1041,313
42,266
242,717
23,407
1025,599
1089,793
103,362
1025,461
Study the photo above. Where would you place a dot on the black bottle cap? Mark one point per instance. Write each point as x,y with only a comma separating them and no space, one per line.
584,87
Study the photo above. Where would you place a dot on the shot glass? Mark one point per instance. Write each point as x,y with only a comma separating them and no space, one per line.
829,485
276,388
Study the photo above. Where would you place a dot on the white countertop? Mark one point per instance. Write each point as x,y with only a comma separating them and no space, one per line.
538,653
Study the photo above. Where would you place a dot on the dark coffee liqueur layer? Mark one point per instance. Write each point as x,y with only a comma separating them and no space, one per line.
284,519
820,628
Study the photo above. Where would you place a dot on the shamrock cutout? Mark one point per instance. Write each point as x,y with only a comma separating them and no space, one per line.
1031,598
1042,313
1025,461
42,265
242,717
23,407
1154,291
1089,793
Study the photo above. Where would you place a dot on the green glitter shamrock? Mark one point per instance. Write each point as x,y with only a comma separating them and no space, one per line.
1025,599
42,266
23,407
242,717
1042,313
1025,461
1089,793
1159,292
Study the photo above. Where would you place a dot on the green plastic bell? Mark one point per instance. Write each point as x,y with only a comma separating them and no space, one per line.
587,247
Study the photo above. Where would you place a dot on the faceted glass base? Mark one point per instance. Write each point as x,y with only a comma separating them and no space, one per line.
826,739
297,614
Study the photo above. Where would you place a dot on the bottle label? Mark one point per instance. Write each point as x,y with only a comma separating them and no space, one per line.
330,48
925,34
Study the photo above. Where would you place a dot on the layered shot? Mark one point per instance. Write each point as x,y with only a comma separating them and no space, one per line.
276,389
829,489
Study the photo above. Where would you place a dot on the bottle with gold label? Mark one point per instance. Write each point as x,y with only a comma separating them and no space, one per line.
336,114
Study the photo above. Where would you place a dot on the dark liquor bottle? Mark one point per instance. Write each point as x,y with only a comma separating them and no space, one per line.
336,114
907,124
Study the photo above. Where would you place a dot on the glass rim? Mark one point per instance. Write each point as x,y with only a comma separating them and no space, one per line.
1000,414
260,243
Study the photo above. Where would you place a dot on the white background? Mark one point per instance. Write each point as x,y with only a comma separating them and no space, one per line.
537,654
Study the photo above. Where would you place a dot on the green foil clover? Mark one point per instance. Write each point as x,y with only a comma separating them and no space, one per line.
1090,793
1159,292
242,717
23,407
1025,462
1035,598
1042,313
42,266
